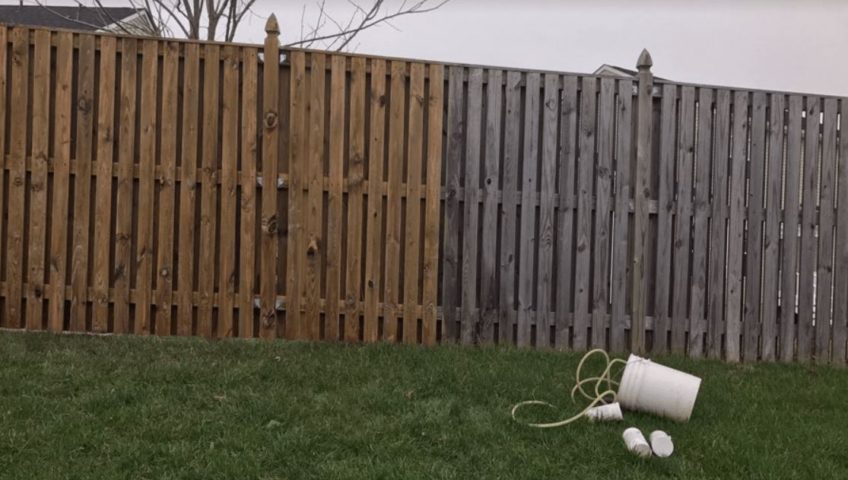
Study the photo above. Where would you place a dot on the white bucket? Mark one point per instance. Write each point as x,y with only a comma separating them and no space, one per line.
636,442
661,444
605,413
650,387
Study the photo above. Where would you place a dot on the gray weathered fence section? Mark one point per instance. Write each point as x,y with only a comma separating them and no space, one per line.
583,211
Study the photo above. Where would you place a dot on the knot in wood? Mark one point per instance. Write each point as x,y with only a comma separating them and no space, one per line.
312,248
270,119
164,272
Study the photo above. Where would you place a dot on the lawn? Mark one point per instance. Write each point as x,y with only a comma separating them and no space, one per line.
160,408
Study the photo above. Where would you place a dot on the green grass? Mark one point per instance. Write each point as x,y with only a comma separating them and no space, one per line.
123,407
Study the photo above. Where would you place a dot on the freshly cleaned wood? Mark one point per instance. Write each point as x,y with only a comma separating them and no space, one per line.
414,154
435,110
229,170
391,287
827,197
489,316
603,190
682,220
809,222
4,107
355,196
621,216
666,207
335,200
188,188
470,215
544,273
314,241
791,213
37,215
565,215
270,160
247,227
450,243
583,245
298,146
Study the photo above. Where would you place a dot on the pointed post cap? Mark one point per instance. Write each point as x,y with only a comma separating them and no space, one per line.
645,60
271,26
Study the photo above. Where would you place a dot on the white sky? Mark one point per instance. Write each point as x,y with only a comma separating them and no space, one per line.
795,45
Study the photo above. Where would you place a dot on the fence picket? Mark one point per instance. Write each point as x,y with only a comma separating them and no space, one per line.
807,267
565,221
603,186
334,203
470,215
547,185
247,227
413,202
718,224
188,189
394,227
827,197
228,195
621,217
682,219
431,220
666,207
585,168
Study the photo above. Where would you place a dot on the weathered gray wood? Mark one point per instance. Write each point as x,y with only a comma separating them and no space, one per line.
544,289
527,235
507,267
700,233
753,241
603,186
791,214
585,170
682,222
453,163
771,230
621,217
718,224
665,217
827,192
644,134
470,238
809,221
840,296
565,214
491,177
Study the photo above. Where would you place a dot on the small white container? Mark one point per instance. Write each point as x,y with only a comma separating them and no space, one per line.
636,442
661,444
653,388
604,413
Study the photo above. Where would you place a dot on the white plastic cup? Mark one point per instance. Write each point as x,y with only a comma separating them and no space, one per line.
661,444
653,388
636,442
605,413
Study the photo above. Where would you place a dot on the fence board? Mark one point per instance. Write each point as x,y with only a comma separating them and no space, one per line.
453,163
229,170
585,165
827,197
397,116
718,224
603,185
809,221
527,234
188,188
470,216
544,282
355,219
491,184
700,232
621,217
413,202
4,110
840,296
314,201
791,206
431,221
682,221
736,223
509,208
247,230
37,215
334,207
297,182
666,207
565,222
270,159
374,246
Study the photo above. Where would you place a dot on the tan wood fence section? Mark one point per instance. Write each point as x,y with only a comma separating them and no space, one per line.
177,187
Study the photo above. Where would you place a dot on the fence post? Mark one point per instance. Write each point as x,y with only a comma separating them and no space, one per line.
641,192
270,152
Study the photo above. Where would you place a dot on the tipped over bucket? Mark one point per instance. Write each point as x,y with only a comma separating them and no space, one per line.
653,388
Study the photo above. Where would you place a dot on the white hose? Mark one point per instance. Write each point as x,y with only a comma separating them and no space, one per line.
599,397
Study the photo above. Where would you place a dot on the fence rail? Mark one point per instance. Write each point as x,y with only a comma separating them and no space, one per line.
173,187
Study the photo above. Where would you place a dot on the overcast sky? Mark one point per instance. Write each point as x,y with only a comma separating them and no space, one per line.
795,45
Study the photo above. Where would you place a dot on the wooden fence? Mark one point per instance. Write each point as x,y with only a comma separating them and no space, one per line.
179,187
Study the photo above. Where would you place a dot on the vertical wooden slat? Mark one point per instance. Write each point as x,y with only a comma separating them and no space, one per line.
188,188
123,205
585,166
527,234
315,197
491,186
82,181
791,214
700,233
146,168
38,179
413,202
453,164
355,220
4,50
374,246
682,223
641,193
470,217
61,180
229,172
665,216
544,280
103,199
512,119
334,208
753,242
771,231
435,108
247,226
17,178
840,296
391,287
565,221
297,181
827,196
809,223
270,156
736,226
718,223
603,187
621,219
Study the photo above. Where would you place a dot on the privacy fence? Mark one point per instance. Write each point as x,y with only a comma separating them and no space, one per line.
175,187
